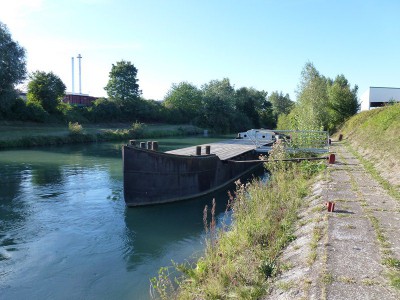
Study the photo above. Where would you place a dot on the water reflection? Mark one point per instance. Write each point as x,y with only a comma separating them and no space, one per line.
152,229
63,222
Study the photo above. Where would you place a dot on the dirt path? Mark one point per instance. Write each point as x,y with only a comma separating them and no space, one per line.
351,253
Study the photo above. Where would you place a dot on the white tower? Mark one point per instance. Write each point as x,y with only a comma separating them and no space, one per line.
73,78
80,78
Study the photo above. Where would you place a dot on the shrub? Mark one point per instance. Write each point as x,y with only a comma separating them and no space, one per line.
75,128
36,112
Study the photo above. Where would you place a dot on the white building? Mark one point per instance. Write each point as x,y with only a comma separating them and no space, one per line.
379,96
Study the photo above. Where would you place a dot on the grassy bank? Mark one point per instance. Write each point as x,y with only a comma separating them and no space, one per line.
240,259
375,135
14,135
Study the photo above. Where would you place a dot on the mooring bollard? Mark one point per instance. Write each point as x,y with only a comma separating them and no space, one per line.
198,150
208,149
332,158
340,137
330,142
143,145
330,206
132,143
155,145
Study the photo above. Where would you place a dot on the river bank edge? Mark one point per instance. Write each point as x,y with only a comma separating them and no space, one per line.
62,135
241,259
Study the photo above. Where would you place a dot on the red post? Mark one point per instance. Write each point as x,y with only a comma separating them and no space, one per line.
332,158
330,206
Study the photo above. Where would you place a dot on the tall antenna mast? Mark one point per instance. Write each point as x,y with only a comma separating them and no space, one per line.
73,78
80,78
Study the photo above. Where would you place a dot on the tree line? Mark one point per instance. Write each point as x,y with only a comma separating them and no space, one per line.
321,103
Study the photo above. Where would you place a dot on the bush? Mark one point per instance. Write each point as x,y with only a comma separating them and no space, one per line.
36,112
75,128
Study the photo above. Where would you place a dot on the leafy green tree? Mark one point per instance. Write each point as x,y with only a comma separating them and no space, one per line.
312,98
46,89
218,105
343,101
251,103
123,89
12,69
267,118
185,99
123,84
281,104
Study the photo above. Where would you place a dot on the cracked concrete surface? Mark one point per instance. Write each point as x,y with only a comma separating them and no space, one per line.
362,232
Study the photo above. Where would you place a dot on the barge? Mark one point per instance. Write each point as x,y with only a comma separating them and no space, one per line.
153,177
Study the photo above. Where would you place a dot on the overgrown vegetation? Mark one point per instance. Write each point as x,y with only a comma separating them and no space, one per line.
240,259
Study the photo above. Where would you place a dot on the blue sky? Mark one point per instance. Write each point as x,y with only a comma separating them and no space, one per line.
255,43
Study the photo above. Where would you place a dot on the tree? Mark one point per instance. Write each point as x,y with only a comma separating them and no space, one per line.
218,105
46,89
312,98
281,104
185,98
12,68
343,101
251,102
123,85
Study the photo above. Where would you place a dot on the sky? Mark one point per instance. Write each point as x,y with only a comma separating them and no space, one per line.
255,43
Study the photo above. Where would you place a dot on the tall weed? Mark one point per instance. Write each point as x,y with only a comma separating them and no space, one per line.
239,262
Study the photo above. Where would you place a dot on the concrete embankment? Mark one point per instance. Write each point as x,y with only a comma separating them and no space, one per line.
351,253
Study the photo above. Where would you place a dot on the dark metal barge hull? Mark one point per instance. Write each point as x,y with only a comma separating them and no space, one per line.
152,177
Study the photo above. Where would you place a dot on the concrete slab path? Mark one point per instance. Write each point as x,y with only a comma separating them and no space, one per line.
351,253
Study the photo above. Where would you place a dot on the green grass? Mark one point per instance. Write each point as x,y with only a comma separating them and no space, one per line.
240,259
377,132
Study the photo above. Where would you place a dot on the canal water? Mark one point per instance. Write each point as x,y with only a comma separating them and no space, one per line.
65,232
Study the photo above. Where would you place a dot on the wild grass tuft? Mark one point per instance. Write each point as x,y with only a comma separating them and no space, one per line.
239,261
75,128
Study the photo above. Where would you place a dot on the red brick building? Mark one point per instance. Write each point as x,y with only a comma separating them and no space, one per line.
79,99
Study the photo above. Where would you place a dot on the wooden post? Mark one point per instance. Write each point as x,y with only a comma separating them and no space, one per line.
208,149
143,145
155,145
340,137
198,150
132,143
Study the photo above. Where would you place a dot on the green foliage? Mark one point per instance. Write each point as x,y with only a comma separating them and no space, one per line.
343,101
252,104
104,110
123,89
185,99
218,105
242,257
12,69
123,84
46,89
36,113
281,104
322,104
75,128
312,109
